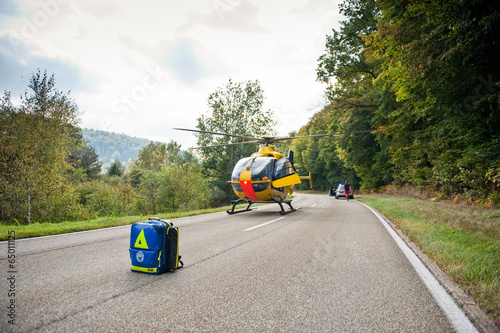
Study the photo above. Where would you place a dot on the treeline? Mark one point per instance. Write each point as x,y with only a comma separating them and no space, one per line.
113,147
425,76
48,173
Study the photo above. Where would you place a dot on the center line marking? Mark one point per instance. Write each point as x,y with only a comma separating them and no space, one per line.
263,224
313,205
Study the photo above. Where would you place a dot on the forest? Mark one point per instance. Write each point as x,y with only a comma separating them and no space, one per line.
113,147
50,173
422,76
425,77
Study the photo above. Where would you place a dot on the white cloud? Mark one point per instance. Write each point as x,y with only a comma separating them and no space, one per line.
142,68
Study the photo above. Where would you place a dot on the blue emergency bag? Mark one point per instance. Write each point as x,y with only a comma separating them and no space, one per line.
154,246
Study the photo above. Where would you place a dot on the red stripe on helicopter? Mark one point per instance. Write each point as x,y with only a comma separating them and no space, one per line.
246,186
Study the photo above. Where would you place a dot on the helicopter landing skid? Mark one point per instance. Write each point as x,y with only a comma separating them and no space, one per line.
289,203
235,202
247,209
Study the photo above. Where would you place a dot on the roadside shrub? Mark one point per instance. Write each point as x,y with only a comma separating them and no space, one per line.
103,199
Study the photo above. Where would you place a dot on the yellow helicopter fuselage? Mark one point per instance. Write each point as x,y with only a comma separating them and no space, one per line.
265,176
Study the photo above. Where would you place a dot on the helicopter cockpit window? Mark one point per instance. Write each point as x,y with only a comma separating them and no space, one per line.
283,168
262,167
239,167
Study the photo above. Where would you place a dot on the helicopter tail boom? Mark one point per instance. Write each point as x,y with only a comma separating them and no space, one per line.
310,179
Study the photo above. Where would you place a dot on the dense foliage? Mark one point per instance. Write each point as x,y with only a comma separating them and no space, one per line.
35,141
48,173
426,76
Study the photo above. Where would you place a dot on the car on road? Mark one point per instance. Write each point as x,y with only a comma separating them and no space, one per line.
340,192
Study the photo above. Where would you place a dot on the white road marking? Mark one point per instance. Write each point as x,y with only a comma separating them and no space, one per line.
263,224
313,205
457,317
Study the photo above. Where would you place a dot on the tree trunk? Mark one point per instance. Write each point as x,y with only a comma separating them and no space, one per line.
29,208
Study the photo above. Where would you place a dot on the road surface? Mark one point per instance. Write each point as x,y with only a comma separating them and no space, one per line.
331,266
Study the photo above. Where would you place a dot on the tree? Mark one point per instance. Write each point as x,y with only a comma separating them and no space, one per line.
156,155
168,179
35,141
236,108
427,75
440,59
116,169
345,57
356,100
84,157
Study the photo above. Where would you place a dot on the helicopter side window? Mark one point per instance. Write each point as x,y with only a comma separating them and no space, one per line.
283,168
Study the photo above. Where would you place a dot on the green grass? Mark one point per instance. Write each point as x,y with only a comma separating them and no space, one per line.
463,240
44,229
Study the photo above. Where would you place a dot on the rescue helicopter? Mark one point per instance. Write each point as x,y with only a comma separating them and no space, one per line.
267,176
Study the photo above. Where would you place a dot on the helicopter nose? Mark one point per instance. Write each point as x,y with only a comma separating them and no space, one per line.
247,188
246,185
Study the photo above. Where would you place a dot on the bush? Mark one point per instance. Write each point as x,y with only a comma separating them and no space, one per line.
103,199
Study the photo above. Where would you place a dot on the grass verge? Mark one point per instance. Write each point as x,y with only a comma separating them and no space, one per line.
464,241
44,229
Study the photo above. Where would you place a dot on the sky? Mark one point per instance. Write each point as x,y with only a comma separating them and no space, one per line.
144,67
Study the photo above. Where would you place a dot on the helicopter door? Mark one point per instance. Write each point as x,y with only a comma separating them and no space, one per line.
285,174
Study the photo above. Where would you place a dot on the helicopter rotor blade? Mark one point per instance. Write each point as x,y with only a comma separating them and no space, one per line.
225,134
296,145
320,135
268,140
227,144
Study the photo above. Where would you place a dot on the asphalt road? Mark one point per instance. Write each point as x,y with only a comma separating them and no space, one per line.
329,267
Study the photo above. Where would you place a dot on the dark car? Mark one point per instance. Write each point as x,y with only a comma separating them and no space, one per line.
340,192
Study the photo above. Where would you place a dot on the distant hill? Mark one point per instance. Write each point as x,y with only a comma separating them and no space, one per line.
113,147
